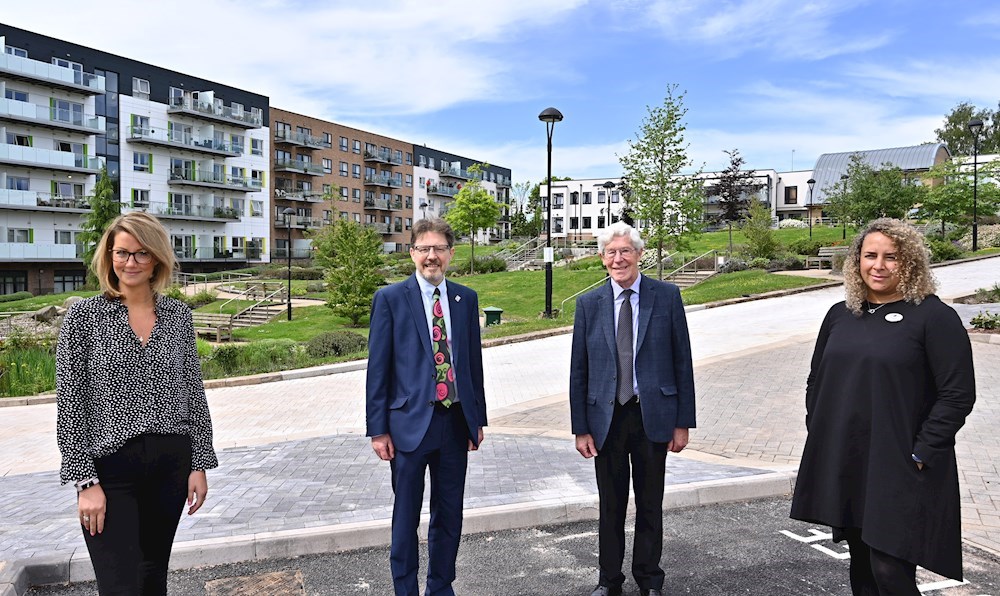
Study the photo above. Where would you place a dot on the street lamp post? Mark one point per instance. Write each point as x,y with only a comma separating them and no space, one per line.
975,127
843,216
288,212
607,192
423,206
811,182
549,116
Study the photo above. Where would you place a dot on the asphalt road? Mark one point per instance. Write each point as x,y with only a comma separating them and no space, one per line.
742,548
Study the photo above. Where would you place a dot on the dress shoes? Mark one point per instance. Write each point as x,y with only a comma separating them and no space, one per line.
606,591
652,592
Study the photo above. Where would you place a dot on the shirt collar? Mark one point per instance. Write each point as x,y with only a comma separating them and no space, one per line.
428,288
634,287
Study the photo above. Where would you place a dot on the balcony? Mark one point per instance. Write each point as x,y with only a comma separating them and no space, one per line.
444,191
503,181
43,201
23,251
299,139
205,110
449,172
178,140
281,253
42,73
299,223
209,253
380,227
308,196
383,204
298,166
210,180
385,181
50,117
49,159
383,157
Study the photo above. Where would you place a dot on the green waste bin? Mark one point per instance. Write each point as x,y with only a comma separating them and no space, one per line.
492,315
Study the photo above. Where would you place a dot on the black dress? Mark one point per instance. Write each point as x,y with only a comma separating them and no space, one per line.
882,388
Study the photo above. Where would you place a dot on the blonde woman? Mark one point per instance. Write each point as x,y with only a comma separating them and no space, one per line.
133,423
891,384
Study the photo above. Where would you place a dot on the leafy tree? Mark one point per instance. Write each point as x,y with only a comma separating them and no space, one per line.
871,192
761,242
956,135
735,189
526,219
103,210
951,199
473,210
351,254
668,203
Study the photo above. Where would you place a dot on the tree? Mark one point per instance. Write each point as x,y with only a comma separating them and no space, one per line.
668,203
473,210
103,210
735,189
520,192
521,224
951,199
956,135
351,254
761,242
870,193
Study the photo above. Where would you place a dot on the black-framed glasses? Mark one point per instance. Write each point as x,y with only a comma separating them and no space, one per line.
121,256
624,252
426,250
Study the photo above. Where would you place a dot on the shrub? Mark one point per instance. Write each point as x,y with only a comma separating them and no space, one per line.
336,343
733,265
989,236
253,358
201,298
758,263
16,296
985,320
942,250
790,223
27,371
585,264
315,287
789,263
278,272
986,295
805,246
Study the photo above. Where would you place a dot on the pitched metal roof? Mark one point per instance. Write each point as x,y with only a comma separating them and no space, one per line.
831,166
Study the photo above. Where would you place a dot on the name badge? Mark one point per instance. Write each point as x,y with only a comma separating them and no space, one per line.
894,317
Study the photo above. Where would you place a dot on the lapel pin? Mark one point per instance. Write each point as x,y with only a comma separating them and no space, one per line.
458,298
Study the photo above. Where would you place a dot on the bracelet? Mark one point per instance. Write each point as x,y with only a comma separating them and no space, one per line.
86,483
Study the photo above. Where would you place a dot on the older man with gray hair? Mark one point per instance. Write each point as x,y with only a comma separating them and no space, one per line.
631,400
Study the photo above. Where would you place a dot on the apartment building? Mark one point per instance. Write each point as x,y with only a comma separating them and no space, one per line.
440,176
193,152
326,171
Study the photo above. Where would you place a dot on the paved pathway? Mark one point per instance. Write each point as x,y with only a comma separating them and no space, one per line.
294,456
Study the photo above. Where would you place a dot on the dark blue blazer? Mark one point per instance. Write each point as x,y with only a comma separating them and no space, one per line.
401,374
663,364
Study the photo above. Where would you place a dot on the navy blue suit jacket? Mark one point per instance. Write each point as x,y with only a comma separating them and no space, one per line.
401,375
663,364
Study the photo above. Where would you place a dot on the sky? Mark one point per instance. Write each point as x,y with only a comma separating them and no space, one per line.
781,81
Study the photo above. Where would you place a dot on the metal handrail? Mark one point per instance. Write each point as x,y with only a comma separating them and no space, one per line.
267,298
562,304
715,262
249,291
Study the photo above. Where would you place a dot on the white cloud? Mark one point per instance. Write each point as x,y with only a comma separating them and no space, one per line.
975,79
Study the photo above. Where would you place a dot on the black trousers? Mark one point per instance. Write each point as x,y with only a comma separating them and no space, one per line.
627,443
875,573
145,483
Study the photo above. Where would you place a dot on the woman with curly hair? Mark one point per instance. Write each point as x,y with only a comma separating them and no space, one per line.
891,383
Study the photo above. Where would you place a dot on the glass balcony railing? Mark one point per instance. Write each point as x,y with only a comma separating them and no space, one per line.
457,173
301,139
180,139
51,116
445,191
26,68
383,181
380,227
211,179
383,204
298,165
209,109
50,159
31,198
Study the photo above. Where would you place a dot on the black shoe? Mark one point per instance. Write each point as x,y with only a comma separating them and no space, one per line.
606,591
652,592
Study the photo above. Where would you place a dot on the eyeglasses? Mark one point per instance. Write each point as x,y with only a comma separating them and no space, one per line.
624,252
426,250
121,256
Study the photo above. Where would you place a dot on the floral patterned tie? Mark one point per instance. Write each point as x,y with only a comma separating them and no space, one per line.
442,355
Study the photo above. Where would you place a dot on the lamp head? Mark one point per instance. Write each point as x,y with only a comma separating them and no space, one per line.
550,115
975,126
811,182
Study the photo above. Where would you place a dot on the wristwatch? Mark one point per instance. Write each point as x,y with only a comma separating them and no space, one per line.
86,483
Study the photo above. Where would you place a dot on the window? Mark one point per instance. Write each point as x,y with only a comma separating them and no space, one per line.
408,223
142,162
256,208
239,207
257,179
586,198
68,64
791,195
257,146
282,130
344,215
68,190
237,108
327,190
140,198
356,195
557,200
409,158
140,88
370,149
68,281
238,175
328,167
20,235
356,170
15,51
282,157
572,223
602,197
409,180
176,96
18,139
586,223
600,222
257,115
17,183
357,218
357,146
343,193
236,143
574,198
343,143
328,139
398,156
343,168
303,131
423,161
15,95
614,196
13,281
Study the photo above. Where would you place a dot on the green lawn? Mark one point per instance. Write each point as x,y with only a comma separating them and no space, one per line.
37,302
743,283
307,322
720,240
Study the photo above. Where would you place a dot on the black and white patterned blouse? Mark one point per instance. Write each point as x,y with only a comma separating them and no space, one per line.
111,388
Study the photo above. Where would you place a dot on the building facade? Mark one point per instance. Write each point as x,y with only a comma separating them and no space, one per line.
191,151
